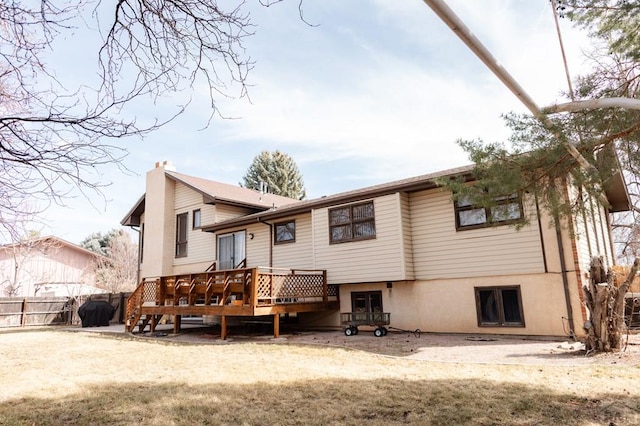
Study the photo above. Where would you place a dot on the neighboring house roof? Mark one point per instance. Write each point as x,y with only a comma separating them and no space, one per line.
53,241
215,193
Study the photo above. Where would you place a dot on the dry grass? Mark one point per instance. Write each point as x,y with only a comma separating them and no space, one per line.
56,377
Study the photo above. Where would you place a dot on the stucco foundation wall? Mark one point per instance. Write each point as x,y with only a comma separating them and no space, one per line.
449,306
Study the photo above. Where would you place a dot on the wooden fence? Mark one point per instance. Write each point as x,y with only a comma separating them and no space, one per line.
40,311
32,311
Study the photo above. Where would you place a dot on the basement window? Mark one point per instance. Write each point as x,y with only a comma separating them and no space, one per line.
499,306
366,301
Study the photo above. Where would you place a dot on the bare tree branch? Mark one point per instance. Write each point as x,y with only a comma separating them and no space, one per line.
54,138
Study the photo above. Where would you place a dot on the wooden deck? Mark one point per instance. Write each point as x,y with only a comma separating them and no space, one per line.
246,292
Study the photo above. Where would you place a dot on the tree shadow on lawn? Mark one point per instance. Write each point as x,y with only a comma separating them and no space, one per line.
324,402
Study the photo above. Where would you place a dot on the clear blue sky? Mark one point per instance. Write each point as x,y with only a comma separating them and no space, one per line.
377,91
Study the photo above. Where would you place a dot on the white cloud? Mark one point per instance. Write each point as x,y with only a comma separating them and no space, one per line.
380,90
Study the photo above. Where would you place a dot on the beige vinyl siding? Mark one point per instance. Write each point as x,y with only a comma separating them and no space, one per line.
201,248
298,254
224,212
407,240
207,215
584,235
257,249
442,252
378,259
592,230
602,233
592,234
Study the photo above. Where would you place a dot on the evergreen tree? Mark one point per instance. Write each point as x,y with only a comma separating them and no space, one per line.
276,173
99,242
536,160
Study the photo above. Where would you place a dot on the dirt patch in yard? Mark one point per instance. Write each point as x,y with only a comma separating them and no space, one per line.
457,348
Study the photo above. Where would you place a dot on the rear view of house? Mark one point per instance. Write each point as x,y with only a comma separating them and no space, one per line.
403,247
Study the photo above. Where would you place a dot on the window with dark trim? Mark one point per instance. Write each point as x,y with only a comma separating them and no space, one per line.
181,234
508,209
285,232
196,219
352,223
499,306
366,301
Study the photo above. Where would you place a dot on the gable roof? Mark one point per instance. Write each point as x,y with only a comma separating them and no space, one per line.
223,193
214,193
53,241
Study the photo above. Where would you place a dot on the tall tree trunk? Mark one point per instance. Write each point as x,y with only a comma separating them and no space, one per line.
605,303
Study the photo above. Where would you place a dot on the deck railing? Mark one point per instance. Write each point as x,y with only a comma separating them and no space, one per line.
245,287
282,286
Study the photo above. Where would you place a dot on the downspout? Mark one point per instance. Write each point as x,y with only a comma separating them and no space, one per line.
270,225
565,278
542,246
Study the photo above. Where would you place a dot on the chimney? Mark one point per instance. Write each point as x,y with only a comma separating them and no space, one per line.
167,165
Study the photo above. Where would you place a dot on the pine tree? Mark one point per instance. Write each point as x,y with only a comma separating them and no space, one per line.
276,173
535,160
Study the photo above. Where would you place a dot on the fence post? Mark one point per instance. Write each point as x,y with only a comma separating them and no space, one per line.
23,311
121,309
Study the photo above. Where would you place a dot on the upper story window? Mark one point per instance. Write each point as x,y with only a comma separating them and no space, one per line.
196,219
285,232
181,234
507,210
352,223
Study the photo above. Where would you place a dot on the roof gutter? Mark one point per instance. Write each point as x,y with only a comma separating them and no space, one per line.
348,197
